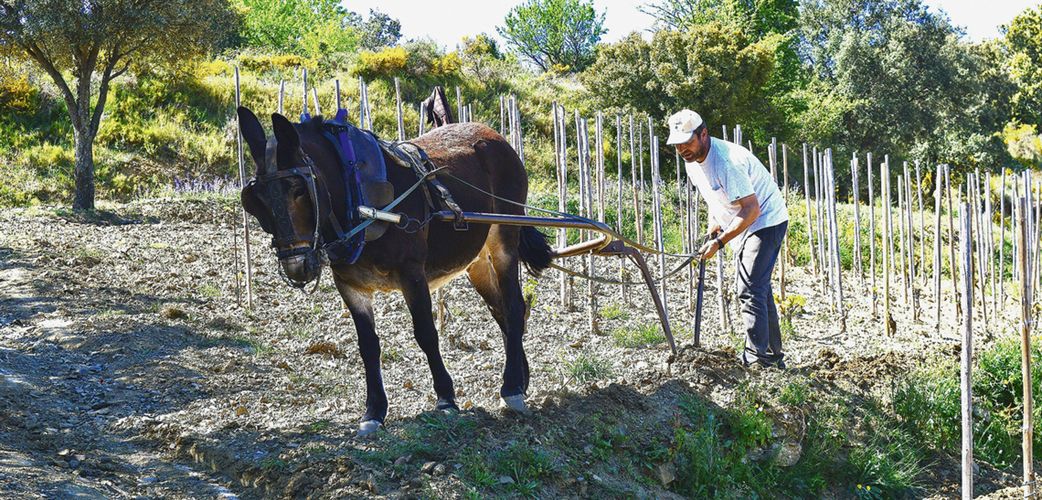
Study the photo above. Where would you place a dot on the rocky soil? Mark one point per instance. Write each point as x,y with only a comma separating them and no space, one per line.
129,367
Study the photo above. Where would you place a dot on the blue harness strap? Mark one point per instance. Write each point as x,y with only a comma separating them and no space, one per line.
348,246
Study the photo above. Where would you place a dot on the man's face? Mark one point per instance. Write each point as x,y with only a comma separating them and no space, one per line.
696,148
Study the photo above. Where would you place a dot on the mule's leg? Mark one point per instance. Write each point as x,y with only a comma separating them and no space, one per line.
361,306
417,295
494,276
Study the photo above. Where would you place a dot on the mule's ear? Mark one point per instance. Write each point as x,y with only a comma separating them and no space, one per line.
253,134
287,138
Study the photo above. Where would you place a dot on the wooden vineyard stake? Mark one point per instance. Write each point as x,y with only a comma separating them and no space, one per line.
827,227
336,90
910,251
304,90
906,219
689,240
422,125
966,380
1015,233
636,195
582,150
1025,352
785,240
990,246
937,193
857,218
459,105
953,265
502,115
282,93
398,107
318,106
838,263
975,205
656,182
679,164
772,158
922,220
560,147
810,225
242,184
639,185
901,236
871,235
884,184
618,203
1002,242
599,143
819,212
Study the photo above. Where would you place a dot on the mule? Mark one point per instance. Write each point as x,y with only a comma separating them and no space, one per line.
415,261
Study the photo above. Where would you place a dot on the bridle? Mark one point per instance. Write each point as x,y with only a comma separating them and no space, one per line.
267,188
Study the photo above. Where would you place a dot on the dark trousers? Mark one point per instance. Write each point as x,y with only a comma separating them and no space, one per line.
755,263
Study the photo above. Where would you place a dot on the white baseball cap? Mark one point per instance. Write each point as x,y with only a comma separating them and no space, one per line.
682,126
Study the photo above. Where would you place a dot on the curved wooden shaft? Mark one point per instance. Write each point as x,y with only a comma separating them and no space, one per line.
609,243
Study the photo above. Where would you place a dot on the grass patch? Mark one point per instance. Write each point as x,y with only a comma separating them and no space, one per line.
254,346
587,368
788,331
518,468
390,354
644,335
210,291
888,463
795,393
317,426
432,436
613,311
273,463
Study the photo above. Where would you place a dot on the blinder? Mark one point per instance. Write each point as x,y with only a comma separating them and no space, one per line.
266,198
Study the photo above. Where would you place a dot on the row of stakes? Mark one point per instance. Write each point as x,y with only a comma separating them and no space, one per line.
890,254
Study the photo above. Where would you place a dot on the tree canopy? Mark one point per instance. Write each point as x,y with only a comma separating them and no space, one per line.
897,77
561,34
378,31
103,37
712,68
303,27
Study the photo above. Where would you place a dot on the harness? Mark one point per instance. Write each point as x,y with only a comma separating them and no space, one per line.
366,191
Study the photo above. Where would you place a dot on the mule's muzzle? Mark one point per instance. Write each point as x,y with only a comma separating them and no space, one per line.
302,268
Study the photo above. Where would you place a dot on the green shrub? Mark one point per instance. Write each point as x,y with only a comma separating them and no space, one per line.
928,401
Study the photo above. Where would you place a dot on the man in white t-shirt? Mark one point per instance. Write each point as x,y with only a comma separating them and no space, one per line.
747,210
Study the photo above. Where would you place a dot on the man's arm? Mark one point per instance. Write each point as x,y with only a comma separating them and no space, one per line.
748,212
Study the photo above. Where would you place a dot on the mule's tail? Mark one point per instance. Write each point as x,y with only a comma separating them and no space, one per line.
534,251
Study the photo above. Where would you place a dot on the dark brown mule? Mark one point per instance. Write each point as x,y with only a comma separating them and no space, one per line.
411,262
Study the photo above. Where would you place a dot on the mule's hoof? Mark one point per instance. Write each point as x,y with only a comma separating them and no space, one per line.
368,427
515,404
447,406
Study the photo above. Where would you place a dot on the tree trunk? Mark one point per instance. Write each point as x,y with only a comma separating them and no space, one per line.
84,197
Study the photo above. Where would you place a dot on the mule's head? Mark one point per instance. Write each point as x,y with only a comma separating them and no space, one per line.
284,196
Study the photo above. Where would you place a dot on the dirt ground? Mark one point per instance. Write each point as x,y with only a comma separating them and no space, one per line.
127,369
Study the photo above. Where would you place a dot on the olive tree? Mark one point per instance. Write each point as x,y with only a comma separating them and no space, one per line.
83,45
554,34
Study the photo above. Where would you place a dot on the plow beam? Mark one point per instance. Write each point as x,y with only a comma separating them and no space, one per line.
607,244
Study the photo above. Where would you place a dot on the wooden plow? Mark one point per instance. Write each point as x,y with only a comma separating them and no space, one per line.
609,243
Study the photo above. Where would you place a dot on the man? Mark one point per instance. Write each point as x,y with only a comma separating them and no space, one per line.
747,210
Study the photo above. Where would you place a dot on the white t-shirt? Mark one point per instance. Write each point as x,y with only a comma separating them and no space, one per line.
729,173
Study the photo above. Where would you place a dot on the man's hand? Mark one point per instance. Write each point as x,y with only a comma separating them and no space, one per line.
711,245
